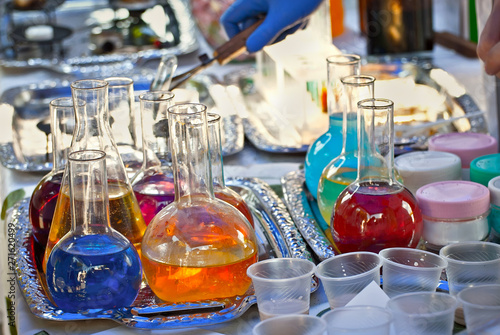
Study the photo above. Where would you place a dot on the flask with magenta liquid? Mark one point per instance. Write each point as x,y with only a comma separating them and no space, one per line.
376,211
93,266
153,184
93,132
44,197
343,169
221,191
329,145
198,247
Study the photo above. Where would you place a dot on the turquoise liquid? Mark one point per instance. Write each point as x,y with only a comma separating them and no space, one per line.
321,152
93,272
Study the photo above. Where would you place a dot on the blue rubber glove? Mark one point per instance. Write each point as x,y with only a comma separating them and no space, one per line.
283,17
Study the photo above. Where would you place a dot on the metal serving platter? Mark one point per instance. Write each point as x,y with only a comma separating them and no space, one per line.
31,105
78,61
277,237
459,112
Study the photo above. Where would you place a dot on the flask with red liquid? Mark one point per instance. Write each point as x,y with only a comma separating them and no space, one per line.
198,247
153,184
221,191
44,197
376,211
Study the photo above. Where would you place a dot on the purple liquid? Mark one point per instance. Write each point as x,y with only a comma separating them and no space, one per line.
42,205
153,193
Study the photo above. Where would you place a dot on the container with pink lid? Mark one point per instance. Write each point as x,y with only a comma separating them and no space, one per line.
467,146
454,211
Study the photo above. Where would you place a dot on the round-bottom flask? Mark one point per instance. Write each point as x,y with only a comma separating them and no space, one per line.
153,184
329,145
376,211
221,191
197,247
93,266
343,169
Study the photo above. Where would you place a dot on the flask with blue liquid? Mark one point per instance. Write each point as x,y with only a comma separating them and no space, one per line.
93,266
329,145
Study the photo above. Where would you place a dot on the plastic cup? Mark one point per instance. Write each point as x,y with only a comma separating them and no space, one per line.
471,264
430,313
282,286
291,325
481,306
345,275
358,320
406,270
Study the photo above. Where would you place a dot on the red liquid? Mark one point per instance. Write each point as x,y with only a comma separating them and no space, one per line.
233,198
376,216
153,193
42,205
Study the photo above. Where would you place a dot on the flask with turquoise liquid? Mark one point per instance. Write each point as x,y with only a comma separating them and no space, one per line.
329,145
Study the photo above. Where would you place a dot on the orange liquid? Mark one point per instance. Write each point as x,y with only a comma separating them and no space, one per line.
180,284
237,201
124,214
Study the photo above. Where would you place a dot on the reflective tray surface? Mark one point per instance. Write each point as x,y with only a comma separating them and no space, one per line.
276,234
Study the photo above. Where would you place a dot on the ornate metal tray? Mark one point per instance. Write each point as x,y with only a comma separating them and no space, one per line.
277,237
77,59
31,105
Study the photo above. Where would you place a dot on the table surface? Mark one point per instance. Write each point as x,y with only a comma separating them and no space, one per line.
249,162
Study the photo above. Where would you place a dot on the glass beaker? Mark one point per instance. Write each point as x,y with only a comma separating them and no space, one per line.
44,197
376,211
343,169
221,191
197,247
92,132
153,184
92,266
328,146
122,122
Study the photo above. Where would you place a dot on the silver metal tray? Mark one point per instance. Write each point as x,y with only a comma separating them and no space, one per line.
277,237
79,62
31,105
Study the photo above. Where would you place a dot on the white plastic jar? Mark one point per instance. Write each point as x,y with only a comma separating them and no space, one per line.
453,211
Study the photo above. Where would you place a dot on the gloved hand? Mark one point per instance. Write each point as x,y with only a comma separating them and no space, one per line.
283,17
488,48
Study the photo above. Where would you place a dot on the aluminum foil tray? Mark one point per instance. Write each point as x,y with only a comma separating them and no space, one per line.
277,237
77,60
31,105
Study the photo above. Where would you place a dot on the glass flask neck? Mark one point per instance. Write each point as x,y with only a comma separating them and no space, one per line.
62,114
339,66
190,156
376,140
215,143
354,88
88,193
155,134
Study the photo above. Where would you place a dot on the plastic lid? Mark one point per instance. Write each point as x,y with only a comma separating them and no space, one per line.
453,199
466,145
483,168
494,187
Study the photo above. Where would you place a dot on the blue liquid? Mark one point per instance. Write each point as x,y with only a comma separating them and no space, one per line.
321,152
93,272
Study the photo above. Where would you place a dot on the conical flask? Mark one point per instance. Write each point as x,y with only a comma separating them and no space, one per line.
44,197
92,132
376,211
123,122
153,184
343,169
92,266
221,191
328,146
197,247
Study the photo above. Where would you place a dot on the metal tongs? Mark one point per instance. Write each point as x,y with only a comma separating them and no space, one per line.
223,55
